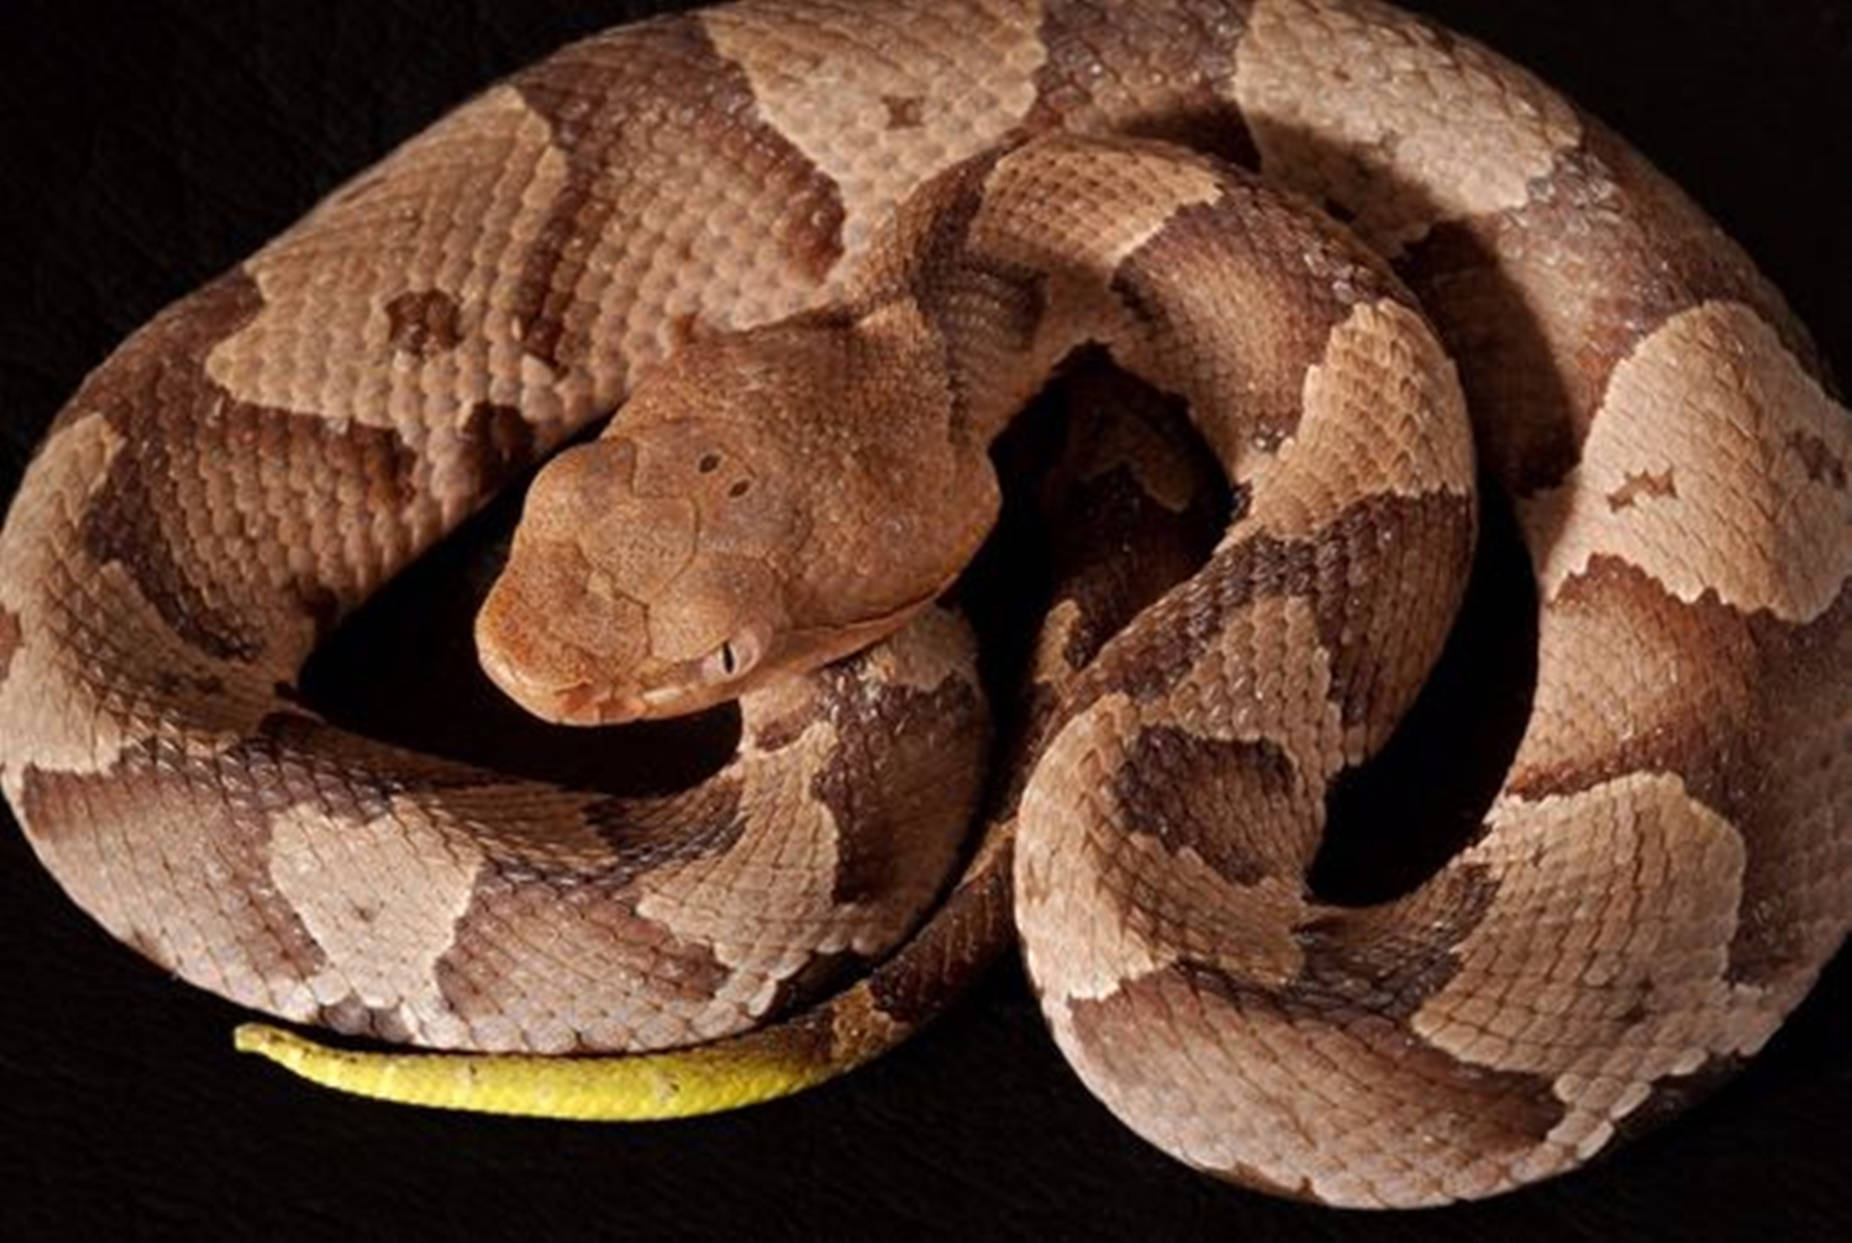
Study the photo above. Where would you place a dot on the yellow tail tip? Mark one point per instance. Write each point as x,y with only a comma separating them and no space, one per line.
631,1088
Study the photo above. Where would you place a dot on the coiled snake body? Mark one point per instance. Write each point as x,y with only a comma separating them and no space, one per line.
819,253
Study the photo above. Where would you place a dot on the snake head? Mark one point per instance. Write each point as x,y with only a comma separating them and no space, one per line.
640,582
758,508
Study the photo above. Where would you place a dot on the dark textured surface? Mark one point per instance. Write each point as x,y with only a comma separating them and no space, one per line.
147,146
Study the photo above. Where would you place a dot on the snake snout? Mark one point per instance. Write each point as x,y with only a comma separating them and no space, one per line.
562,652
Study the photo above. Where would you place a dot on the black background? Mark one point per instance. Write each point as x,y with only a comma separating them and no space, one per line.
148,145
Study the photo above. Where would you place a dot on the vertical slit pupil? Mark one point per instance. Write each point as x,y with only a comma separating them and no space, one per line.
728,662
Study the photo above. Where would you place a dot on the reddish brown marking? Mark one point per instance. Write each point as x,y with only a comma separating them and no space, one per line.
291,761
956,945
1105,62
220,806
1710,648
684,328
1388,961
645,834
153,515
1114,548
1375,668
820,976
1720,670
1295,279
805,1039
321,606
1621,250
157,514
893,730
611,102
1740,679
486,974
124,527
781,732
1483,1111
353,1017
173,685
1110,591
904,111
985,310
1098,503
1643,485
9,640
1818,459
169,351
498,442
364,774
1238,805
424,322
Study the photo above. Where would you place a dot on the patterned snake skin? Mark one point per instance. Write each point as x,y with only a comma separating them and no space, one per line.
904,216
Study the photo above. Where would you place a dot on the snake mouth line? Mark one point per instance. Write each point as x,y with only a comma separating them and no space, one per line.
578,704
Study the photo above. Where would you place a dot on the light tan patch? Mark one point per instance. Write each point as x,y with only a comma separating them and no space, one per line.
815,80
931,650
1713,399
1078,205
1062,871
1049,665
325,341
167,850
1643,487
1362,1115
560,969
765,905
1601,963
771,715
1383,413
1624,675
1384,114
857,1023
381,899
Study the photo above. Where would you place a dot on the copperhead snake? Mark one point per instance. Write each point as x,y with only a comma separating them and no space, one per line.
154,752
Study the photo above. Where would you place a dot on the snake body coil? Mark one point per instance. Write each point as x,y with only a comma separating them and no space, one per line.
819,253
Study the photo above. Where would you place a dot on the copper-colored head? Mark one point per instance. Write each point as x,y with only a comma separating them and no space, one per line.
641,580
766,501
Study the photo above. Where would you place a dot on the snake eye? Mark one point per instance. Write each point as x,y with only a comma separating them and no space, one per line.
733,659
